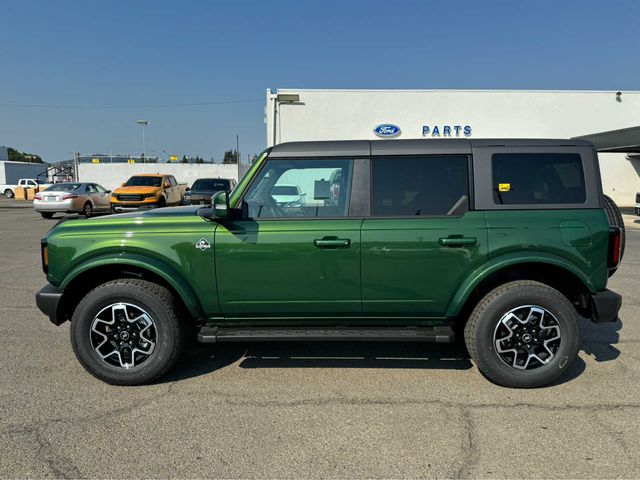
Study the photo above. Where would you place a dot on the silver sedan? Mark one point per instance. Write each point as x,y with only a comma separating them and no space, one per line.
73,197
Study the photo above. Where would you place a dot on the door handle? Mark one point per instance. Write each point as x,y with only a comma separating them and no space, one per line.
332,242
458,241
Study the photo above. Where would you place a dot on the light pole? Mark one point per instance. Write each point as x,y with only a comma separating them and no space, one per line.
143,123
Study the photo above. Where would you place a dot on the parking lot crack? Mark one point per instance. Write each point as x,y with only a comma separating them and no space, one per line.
60,466
469,449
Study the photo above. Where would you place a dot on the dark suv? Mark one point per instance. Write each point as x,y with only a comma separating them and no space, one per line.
507,242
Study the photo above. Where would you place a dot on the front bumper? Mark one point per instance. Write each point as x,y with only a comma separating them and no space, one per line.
132,207
605,305
48,301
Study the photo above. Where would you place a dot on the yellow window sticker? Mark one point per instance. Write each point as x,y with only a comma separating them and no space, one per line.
504,187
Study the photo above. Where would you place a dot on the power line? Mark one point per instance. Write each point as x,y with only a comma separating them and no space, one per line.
159,105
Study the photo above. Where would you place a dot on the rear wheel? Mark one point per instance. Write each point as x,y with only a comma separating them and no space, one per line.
523,334
8,193
46,214
126,332
87,210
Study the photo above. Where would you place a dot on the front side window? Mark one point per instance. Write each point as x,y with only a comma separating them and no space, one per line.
538,178
172,181
419,186
301,188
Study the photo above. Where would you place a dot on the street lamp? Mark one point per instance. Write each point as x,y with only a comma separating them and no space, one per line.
143,123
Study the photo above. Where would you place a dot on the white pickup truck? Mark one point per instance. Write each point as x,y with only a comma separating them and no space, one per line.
9,191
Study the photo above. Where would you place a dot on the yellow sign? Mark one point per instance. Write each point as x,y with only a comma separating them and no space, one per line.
504,187
95,160
131,160
173,158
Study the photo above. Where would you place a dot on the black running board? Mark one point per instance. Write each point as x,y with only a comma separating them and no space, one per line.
441,334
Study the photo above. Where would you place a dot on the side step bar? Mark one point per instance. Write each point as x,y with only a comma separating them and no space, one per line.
349,334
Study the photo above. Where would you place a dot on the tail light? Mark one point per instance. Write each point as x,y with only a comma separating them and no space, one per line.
613,258
69,195
37,196
44,251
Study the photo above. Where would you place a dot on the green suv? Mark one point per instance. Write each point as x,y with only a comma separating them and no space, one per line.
506,242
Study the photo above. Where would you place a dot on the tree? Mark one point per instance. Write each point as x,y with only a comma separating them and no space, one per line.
16,156
199,160
230,156
184,159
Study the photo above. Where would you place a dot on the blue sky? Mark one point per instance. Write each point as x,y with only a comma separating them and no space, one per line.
138,53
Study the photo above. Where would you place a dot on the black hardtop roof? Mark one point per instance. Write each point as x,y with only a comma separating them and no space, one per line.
343,148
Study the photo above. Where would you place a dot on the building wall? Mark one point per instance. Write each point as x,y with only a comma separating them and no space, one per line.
111,176
11,172
353,114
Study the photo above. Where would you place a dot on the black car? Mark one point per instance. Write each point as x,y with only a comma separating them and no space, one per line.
203,188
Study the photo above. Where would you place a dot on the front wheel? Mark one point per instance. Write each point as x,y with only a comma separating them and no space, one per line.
46,214
126,332
523,334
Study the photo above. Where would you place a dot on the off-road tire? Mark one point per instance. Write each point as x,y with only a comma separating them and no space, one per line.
480,328
154,299
9,193
46,214
162,202
615,220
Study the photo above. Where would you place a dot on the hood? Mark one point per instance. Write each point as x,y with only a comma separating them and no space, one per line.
136,190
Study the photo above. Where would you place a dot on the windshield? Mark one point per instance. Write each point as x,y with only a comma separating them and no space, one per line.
211,185
62,187
284,190
144,182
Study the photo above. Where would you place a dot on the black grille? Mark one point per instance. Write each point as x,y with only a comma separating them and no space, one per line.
130,198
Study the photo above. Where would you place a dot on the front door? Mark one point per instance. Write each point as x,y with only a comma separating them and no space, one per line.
421,240
296,251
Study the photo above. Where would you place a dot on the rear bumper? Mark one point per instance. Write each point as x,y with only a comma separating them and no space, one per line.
606,305
48,300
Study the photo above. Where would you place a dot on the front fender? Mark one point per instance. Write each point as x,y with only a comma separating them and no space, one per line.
503,261
168,274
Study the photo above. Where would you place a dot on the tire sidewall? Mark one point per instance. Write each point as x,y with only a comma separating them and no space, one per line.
104,296
551,300
87,210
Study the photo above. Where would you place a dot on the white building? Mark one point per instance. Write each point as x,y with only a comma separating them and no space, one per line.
299,114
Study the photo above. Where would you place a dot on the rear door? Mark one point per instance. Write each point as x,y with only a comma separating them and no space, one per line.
292,259
422,239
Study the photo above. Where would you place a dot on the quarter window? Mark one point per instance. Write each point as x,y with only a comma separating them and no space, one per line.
420,186
538,178
301,188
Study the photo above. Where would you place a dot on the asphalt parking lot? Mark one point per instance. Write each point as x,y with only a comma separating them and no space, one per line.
307,410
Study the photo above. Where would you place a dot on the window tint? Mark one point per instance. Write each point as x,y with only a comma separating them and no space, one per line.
100,188
63,187
419,186
211,185
89,189
172,181
323,188
142,181
537,178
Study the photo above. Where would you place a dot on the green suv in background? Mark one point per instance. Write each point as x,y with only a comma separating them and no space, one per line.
506,242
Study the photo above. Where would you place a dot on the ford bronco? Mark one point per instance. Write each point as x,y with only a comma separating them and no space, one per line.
506,243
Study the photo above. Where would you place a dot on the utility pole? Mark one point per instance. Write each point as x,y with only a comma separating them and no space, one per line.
238,154
143,124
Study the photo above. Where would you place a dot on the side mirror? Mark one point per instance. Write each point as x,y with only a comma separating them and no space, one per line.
167,184
108,191
220,205
321,190
188,189
123,184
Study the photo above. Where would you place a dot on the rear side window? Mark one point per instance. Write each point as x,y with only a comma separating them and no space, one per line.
538,178
415,186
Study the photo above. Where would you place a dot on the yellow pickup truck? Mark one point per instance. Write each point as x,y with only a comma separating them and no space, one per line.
147,190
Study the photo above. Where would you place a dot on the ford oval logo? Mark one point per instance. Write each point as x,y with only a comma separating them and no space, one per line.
386,130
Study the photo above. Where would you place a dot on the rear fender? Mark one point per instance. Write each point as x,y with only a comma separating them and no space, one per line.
504,261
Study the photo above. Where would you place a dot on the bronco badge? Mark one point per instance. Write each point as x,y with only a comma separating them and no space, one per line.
203,244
